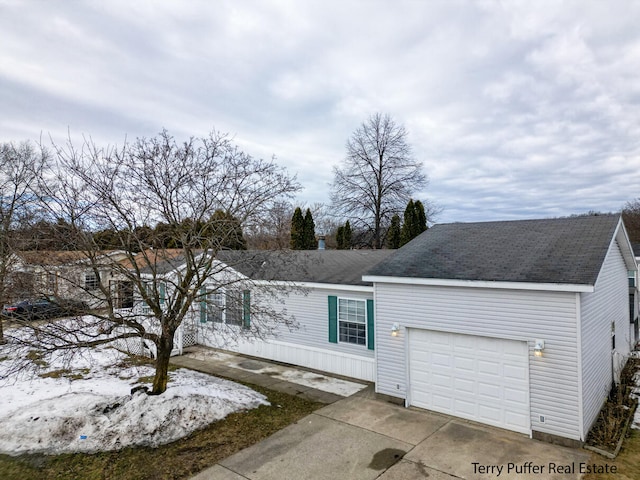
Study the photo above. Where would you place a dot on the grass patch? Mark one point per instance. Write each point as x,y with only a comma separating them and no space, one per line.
178,460
619,407
135,361
37,358
66,373
139,361
149,379
627,462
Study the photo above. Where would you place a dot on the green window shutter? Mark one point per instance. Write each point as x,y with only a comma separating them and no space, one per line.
246,309
333,319
370,323
203,305
161,291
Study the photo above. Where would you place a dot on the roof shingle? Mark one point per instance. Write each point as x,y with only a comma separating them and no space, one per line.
564,250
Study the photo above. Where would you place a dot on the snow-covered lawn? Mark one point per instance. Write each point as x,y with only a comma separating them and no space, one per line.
86,406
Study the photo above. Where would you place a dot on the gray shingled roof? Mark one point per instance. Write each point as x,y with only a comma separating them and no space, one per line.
564,250
316,266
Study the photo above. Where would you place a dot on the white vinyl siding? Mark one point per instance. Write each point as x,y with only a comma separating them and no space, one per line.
307,344
608,303
509,314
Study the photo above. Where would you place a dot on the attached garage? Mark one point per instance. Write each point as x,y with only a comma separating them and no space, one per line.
477,378
460,309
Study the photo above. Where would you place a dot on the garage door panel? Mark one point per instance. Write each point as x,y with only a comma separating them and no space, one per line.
466,364
441,401
478,378
487,412
463,386
515,395
514,372
440,359
489,392
488,367
439,380
464,407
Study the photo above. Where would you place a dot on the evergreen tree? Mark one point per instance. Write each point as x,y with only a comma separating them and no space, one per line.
224,232
347,235
421,217
297,230
309,232
340,238
393,235
408,226
415,221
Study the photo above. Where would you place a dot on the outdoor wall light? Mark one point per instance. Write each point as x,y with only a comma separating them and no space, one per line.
395,328
538,348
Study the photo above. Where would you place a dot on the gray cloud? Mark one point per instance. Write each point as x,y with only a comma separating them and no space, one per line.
518,109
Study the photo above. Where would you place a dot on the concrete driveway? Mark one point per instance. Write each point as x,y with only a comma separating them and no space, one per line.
364,438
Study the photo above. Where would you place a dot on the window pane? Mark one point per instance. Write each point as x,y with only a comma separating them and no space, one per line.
214,307
352,333
233,308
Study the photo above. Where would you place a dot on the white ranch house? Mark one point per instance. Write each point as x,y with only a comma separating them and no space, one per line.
523,325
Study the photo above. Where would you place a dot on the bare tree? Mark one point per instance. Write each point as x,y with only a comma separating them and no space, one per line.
631,217
274,229
20,166
151,181
378,177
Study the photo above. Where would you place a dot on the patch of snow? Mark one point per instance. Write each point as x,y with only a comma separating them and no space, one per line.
318,381
97,411
635,393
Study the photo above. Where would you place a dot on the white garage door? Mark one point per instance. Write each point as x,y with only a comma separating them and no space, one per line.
477,378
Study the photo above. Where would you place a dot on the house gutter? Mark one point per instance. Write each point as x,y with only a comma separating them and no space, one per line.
442,282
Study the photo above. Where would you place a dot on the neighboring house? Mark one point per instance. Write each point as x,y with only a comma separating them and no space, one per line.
520,324
65,274
153,266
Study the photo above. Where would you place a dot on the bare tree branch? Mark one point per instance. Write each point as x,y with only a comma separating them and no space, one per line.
378,177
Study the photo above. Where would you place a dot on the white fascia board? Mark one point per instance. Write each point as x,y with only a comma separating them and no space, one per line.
622,237
328,286
553,287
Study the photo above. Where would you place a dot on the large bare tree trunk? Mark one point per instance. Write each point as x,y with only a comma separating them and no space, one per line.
165,345
2,340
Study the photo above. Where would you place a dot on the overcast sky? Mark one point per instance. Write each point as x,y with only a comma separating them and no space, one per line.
518,109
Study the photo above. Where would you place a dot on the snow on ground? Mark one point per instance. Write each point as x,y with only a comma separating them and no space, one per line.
301,377
88,407
636,393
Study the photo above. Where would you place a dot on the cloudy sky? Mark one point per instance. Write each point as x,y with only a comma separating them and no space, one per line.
518,109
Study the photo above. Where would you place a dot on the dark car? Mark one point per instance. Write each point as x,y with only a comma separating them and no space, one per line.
41,308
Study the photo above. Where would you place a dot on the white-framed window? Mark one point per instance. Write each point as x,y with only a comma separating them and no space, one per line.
224,306
215,307
91,281
352,321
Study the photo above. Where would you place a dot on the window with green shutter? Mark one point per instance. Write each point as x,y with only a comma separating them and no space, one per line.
162,288
351,321
370,325
246,309
333,319
203,305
